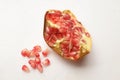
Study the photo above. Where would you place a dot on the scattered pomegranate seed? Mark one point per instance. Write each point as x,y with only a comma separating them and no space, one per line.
37,60
32,53
45,52
25,68
37,55
37,48
40,68
25,52
46,62
32,64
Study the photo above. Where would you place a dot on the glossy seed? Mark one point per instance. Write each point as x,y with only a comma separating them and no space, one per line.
32,64
45,52
37,48
37,55
37,60
46,62
25,68
25,52
40,68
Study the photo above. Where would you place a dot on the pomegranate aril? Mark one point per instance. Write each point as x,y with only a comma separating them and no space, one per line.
45,52
46,62
32,64
31,61
40,68
63,30
37,48
58,13
66,17
75,48
50,43
37,55
33,53
75,41
72,53
69,24
59,35
37,60
25,68
25,52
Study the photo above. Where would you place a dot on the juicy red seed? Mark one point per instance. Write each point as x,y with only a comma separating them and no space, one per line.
25,52
73,21
62,30
57,12
46,62
37,60
50,44
59,35
32,53
66,17
40,68
72,53
37,55
37,48
45,53
25,68
32,63
75,41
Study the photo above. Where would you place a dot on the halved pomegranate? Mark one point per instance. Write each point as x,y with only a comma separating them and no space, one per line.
66,35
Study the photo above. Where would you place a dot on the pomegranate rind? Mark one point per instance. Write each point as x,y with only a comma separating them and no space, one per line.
84,43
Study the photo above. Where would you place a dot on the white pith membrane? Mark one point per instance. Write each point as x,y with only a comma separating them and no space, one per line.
65,35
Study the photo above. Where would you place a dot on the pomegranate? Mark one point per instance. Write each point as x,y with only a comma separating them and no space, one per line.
66,35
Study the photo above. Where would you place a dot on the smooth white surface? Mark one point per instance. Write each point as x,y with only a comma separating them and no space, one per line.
21,26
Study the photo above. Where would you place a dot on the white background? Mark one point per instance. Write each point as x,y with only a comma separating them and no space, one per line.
21,26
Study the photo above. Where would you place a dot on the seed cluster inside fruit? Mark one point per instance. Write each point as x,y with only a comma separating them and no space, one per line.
65,33
34,58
